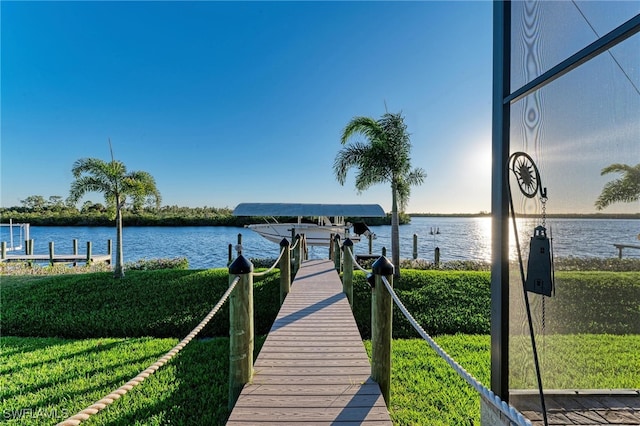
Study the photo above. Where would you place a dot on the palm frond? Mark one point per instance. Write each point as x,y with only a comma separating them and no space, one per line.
623,190
364,126
348,157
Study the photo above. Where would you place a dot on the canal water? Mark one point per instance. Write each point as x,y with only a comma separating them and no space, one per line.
457,238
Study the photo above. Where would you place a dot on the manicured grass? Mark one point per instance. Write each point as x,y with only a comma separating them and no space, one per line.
47,377
41,378
45,380
577,361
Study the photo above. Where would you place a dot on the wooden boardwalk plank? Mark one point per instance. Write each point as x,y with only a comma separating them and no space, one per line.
313,368
581,407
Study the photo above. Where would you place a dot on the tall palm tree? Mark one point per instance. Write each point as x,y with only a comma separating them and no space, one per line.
623,190
112,179
383,158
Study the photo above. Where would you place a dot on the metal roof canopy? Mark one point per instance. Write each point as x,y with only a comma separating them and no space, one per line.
298,209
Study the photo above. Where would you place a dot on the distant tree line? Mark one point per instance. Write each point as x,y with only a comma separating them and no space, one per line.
56,211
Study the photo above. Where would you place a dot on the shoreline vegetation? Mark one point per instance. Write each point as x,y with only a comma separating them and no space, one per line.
97,215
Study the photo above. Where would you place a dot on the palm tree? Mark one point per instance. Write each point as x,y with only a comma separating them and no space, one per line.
113,180
623,190
383,158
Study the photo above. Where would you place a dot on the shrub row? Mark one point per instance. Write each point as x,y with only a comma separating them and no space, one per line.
160,303
169,303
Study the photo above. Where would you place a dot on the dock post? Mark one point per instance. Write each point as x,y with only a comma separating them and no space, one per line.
305,247
109,245
381,327
296,254
347,271
301,251
415,246
3,250
89,252
436,257
28,246
239,246
240,328
285,270
51,252
75,250
330,246
230,254
336,252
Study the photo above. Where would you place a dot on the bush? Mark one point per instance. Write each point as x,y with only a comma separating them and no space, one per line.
155,264
443,302
162,303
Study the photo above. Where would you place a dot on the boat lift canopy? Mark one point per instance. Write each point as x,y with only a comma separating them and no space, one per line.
301,209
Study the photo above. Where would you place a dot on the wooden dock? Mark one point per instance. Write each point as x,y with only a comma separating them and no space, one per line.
313,367
580,407
58,258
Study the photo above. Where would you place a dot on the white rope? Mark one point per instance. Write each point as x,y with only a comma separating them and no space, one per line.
508,410
113,396
260,274
355,263
295,245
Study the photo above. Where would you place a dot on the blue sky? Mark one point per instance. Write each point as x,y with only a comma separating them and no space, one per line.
229,102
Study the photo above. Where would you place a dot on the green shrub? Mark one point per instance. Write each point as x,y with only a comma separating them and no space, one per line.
155,264
162,303
443,302
595,302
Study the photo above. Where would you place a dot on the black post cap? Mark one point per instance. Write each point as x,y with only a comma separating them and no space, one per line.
284,243
348,242
382,266
371,280
336,237
240,266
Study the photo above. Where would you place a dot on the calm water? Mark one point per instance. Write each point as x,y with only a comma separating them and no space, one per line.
459,239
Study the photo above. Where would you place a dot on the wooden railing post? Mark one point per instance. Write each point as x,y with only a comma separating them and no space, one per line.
370,243
239,246
296,254
336,252
285,270
29,250
415,246
75,250
330,246
347,270
51,252
305,247
301,252
3,250
240,327
381,327
89,256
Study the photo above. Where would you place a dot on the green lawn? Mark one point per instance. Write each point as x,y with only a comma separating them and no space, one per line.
107,323
44,380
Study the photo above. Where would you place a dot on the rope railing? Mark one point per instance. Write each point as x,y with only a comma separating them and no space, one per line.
263,273
512,413
115,395
356,264
296,244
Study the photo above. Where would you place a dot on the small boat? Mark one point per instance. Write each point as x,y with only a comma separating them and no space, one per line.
318,232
